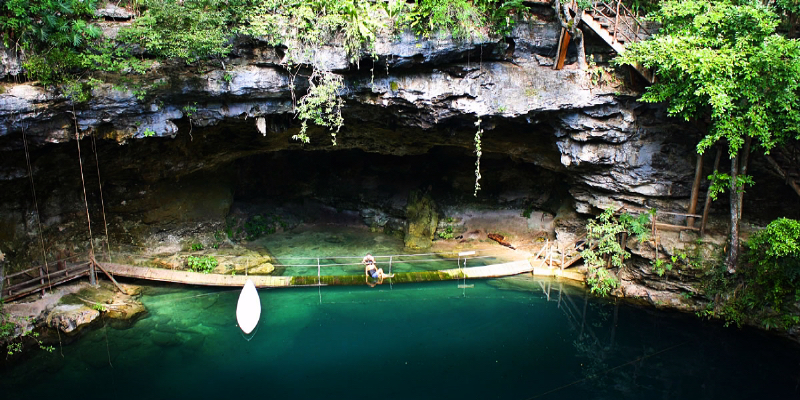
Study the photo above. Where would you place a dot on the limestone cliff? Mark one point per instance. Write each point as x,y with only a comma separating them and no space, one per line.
180,128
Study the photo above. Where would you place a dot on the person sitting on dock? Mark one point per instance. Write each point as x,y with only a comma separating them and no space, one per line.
372,270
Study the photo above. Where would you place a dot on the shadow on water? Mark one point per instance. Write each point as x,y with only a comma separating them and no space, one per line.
511,338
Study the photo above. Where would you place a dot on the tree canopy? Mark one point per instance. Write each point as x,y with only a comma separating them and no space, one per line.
723,60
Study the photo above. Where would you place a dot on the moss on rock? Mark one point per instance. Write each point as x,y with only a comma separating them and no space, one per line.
422,221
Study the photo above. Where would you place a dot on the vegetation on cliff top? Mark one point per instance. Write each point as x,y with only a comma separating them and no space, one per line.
61,42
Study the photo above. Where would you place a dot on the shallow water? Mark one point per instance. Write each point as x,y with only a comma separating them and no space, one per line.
339,250
501,339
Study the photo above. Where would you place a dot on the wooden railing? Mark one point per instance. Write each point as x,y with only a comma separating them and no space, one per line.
621,20
40,278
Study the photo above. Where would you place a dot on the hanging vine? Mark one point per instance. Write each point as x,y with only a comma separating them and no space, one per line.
322,104
478,152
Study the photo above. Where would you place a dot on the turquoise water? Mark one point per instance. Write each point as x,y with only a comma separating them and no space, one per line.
501,339
339,250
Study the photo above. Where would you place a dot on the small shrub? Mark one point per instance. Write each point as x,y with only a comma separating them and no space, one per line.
197,246
447,233
204,264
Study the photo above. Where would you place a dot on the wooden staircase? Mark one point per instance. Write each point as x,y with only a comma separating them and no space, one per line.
613,22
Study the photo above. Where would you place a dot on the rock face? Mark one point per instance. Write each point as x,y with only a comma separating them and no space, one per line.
68,318
178,153
422,220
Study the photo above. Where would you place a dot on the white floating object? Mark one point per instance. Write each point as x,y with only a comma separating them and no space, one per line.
466,253
248,310
261,124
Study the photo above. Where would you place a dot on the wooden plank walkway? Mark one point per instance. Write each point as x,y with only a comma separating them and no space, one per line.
491,271
194,278
197,278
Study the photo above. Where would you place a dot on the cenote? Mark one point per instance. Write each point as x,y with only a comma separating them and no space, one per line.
208,142
501,339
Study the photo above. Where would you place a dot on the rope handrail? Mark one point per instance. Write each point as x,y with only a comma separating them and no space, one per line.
345,264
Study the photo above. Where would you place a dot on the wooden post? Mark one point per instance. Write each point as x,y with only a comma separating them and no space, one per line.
616,22
92,277
561,53
698,175
41,279
707,206
110,277
743,169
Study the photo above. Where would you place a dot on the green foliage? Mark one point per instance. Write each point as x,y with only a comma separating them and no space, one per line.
204,264
312,23
460,17
55,35
767,287
260,225
660,267
724,59
526,213
148,132
98,307
603,235
774,254
721,182
639,226
464,19
321,105
197,246
447,233
478,153
11,339
186,29
189,110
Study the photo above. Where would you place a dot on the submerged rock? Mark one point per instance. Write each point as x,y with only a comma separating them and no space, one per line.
69,318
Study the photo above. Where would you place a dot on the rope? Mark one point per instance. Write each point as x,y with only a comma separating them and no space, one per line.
105,333
102,203
391,255
83,181
36,207
400,262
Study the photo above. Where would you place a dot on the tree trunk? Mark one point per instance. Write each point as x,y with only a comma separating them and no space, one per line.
743,170
733,251
571,25
707,206
578,35
698,176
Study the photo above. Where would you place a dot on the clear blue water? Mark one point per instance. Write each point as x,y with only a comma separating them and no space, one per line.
501,339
